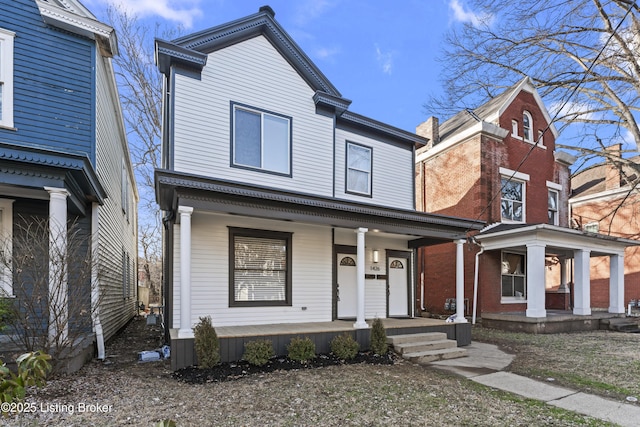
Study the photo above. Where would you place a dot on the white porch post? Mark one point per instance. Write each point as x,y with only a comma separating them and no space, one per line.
563,288
360,323
185,330
616,283
460,282
582,283
535,280
58,298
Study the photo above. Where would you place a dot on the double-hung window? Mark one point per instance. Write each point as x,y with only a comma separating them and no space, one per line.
6,78
512,200
260,267
514,278
553,207
261,140
359,160
6,245
527,127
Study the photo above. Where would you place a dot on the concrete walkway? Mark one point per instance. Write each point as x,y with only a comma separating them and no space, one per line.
485,363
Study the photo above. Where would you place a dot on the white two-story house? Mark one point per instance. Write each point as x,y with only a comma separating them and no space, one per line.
281,206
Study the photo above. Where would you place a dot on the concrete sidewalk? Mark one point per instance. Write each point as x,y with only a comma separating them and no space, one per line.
485,363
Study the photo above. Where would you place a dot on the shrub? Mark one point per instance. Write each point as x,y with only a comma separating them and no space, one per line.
301,349
344,346
258,352
206,343
32,371
6,313
379,338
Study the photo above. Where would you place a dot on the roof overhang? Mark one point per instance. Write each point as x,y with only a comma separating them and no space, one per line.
559,239
175,188
103,34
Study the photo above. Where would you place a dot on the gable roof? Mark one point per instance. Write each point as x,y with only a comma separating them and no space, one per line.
491,110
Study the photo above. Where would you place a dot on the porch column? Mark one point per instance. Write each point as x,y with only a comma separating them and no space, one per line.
58,279
360,323
616,283
535,280
582,283
185,330
563,288
460,282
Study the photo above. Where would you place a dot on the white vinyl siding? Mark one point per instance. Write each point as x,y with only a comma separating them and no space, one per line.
203,110
392,172
311,273
6,78
117,236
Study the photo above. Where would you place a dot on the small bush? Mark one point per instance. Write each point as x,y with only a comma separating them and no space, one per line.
301,349
344,346
32,371
379,338
258,352
206,343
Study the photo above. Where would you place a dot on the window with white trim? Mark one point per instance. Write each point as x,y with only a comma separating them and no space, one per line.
540,140
514,277
552,207
261,140
527,127
6,78
6,246
359,158
514,128
512,200
260,267
591,227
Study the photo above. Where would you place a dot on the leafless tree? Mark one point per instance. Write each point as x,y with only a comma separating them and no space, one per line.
583,56
53,293
140,87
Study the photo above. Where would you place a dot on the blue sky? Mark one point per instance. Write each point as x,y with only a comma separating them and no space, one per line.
379,54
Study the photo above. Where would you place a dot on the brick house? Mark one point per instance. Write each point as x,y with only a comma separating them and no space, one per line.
499,164
605,200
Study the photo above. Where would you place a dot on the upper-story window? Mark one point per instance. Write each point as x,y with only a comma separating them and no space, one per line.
514,128
6,78
553,207
359,160
261,140
527,127
513,197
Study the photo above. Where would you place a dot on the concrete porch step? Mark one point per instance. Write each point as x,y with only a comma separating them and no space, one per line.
424,357
419,346
623,324
421,337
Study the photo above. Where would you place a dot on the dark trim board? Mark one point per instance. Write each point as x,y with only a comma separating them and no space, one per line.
232,347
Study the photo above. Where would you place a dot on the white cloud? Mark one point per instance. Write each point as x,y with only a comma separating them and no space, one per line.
180,11
309,10
326,52
462,15
571,110
628,140
385,59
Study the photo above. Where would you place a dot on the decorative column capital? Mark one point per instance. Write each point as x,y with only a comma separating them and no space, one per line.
185,210
57,192
362,230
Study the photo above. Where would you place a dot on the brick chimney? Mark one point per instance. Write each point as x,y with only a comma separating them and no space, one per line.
430,130
613,177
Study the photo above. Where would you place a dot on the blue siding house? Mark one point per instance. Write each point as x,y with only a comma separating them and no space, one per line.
64,170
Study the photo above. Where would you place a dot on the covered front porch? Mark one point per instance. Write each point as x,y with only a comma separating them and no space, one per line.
574,250
233,338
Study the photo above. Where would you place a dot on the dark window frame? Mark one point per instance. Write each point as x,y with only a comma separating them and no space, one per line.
346,170
262,112
266,234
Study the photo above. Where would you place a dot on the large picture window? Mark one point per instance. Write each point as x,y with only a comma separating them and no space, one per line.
260,267
6,78
512,200
261,140
358,169
514,279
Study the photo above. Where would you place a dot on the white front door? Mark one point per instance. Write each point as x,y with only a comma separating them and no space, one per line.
346,286
398,287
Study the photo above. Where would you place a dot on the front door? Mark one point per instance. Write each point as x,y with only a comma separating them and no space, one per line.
398,276
346,293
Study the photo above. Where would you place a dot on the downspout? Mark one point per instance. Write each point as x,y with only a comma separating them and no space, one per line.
95,283
421,255
475,282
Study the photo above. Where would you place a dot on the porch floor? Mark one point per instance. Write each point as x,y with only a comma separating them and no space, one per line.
319,327
557,321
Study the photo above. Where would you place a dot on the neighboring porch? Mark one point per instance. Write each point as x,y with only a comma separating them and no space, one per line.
555,321
233,338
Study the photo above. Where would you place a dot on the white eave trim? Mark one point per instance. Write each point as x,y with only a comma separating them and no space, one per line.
103,34
487,128
603,195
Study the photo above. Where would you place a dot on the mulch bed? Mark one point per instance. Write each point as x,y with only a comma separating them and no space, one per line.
235,370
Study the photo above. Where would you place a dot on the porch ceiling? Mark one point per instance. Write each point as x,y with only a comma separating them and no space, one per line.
559,241
202,193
